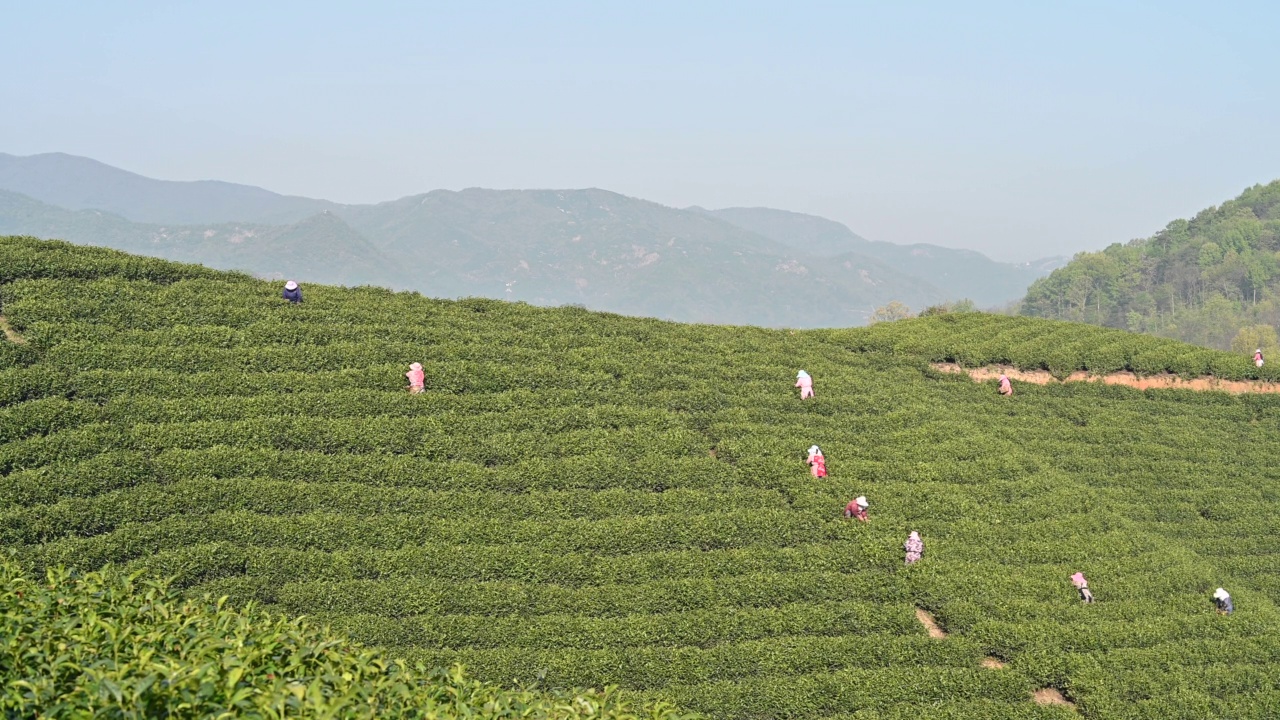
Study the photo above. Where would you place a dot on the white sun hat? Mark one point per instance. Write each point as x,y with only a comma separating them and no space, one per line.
861,500
1221,594
291,285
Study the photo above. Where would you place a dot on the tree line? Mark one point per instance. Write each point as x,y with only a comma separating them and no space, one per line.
1213,280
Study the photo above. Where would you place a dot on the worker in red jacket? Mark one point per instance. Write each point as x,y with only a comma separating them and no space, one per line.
817,463
857,508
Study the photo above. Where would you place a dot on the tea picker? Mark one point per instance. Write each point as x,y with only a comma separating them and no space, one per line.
914,547
1083,586
1257,357
805,383
292,292
817,463
416,378
1222,599
857,508
1005,387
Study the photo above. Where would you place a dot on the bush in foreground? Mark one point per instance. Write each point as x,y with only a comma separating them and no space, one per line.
108,644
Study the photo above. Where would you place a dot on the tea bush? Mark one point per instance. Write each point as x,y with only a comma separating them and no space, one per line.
585,499
107,644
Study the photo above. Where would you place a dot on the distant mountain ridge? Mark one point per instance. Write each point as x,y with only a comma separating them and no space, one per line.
322,248
549,247
963,273
79,183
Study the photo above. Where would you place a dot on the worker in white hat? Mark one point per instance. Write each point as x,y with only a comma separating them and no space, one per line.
1222,599
817,463
857,508
805,383
292,292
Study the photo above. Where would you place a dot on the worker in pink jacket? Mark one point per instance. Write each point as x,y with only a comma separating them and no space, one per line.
805,383
914,547
817,463
416,378
1083,586
1257,357
1005,387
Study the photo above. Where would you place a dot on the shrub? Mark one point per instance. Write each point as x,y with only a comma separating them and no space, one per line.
107,644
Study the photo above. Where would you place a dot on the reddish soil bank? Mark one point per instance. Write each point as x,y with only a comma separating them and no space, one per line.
1051,696
10,333
926,619
1165,381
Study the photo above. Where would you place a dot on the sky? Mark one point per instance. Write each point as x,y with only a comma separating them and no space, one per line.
1020,129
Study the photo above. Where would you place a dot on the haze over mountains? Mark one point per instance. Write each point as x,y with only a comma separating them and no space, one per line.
548,247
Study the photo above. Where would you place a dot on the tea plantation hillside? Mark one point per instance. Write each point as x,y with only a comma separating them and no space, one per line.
591,499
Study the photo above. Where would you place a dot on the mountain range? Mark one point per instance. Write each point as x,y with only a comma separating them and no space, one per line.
548,247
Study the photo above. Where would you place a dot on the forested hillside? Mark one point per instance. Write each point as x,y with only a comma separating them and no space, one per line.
1213,280
581,499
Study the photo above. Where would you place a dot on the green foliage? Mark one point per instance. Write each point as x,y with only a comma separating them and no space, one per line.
888,313
1256,337
588,499
1200,280
107,644
977,339
959,306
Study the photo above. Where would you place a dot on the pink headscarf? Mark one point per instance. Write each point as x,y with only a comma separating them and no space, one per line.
1078,580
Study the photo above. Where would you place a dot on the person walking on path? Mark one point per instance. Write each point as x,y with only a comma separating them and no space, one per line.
292,292
914,547
1005,387
805,383
1257,357
416,378
1083,586
857,508
1222,599
817,463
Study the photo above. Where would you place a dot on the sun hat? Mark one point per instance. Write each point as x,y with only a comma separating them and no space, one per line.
813,450
1221,594
416,366
861,500
291,285
802,374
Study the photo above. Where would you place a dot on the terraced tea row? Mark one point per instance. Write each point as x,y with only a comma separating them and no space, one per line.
589,498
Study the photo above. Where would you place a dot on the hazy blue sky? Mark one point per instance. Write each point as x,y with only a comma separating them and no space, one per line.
1017,128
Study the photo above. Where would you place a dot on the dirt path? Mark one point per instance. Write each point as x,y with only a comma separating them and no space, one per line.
1051,696
12,335
1166,381
992,663
926,619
